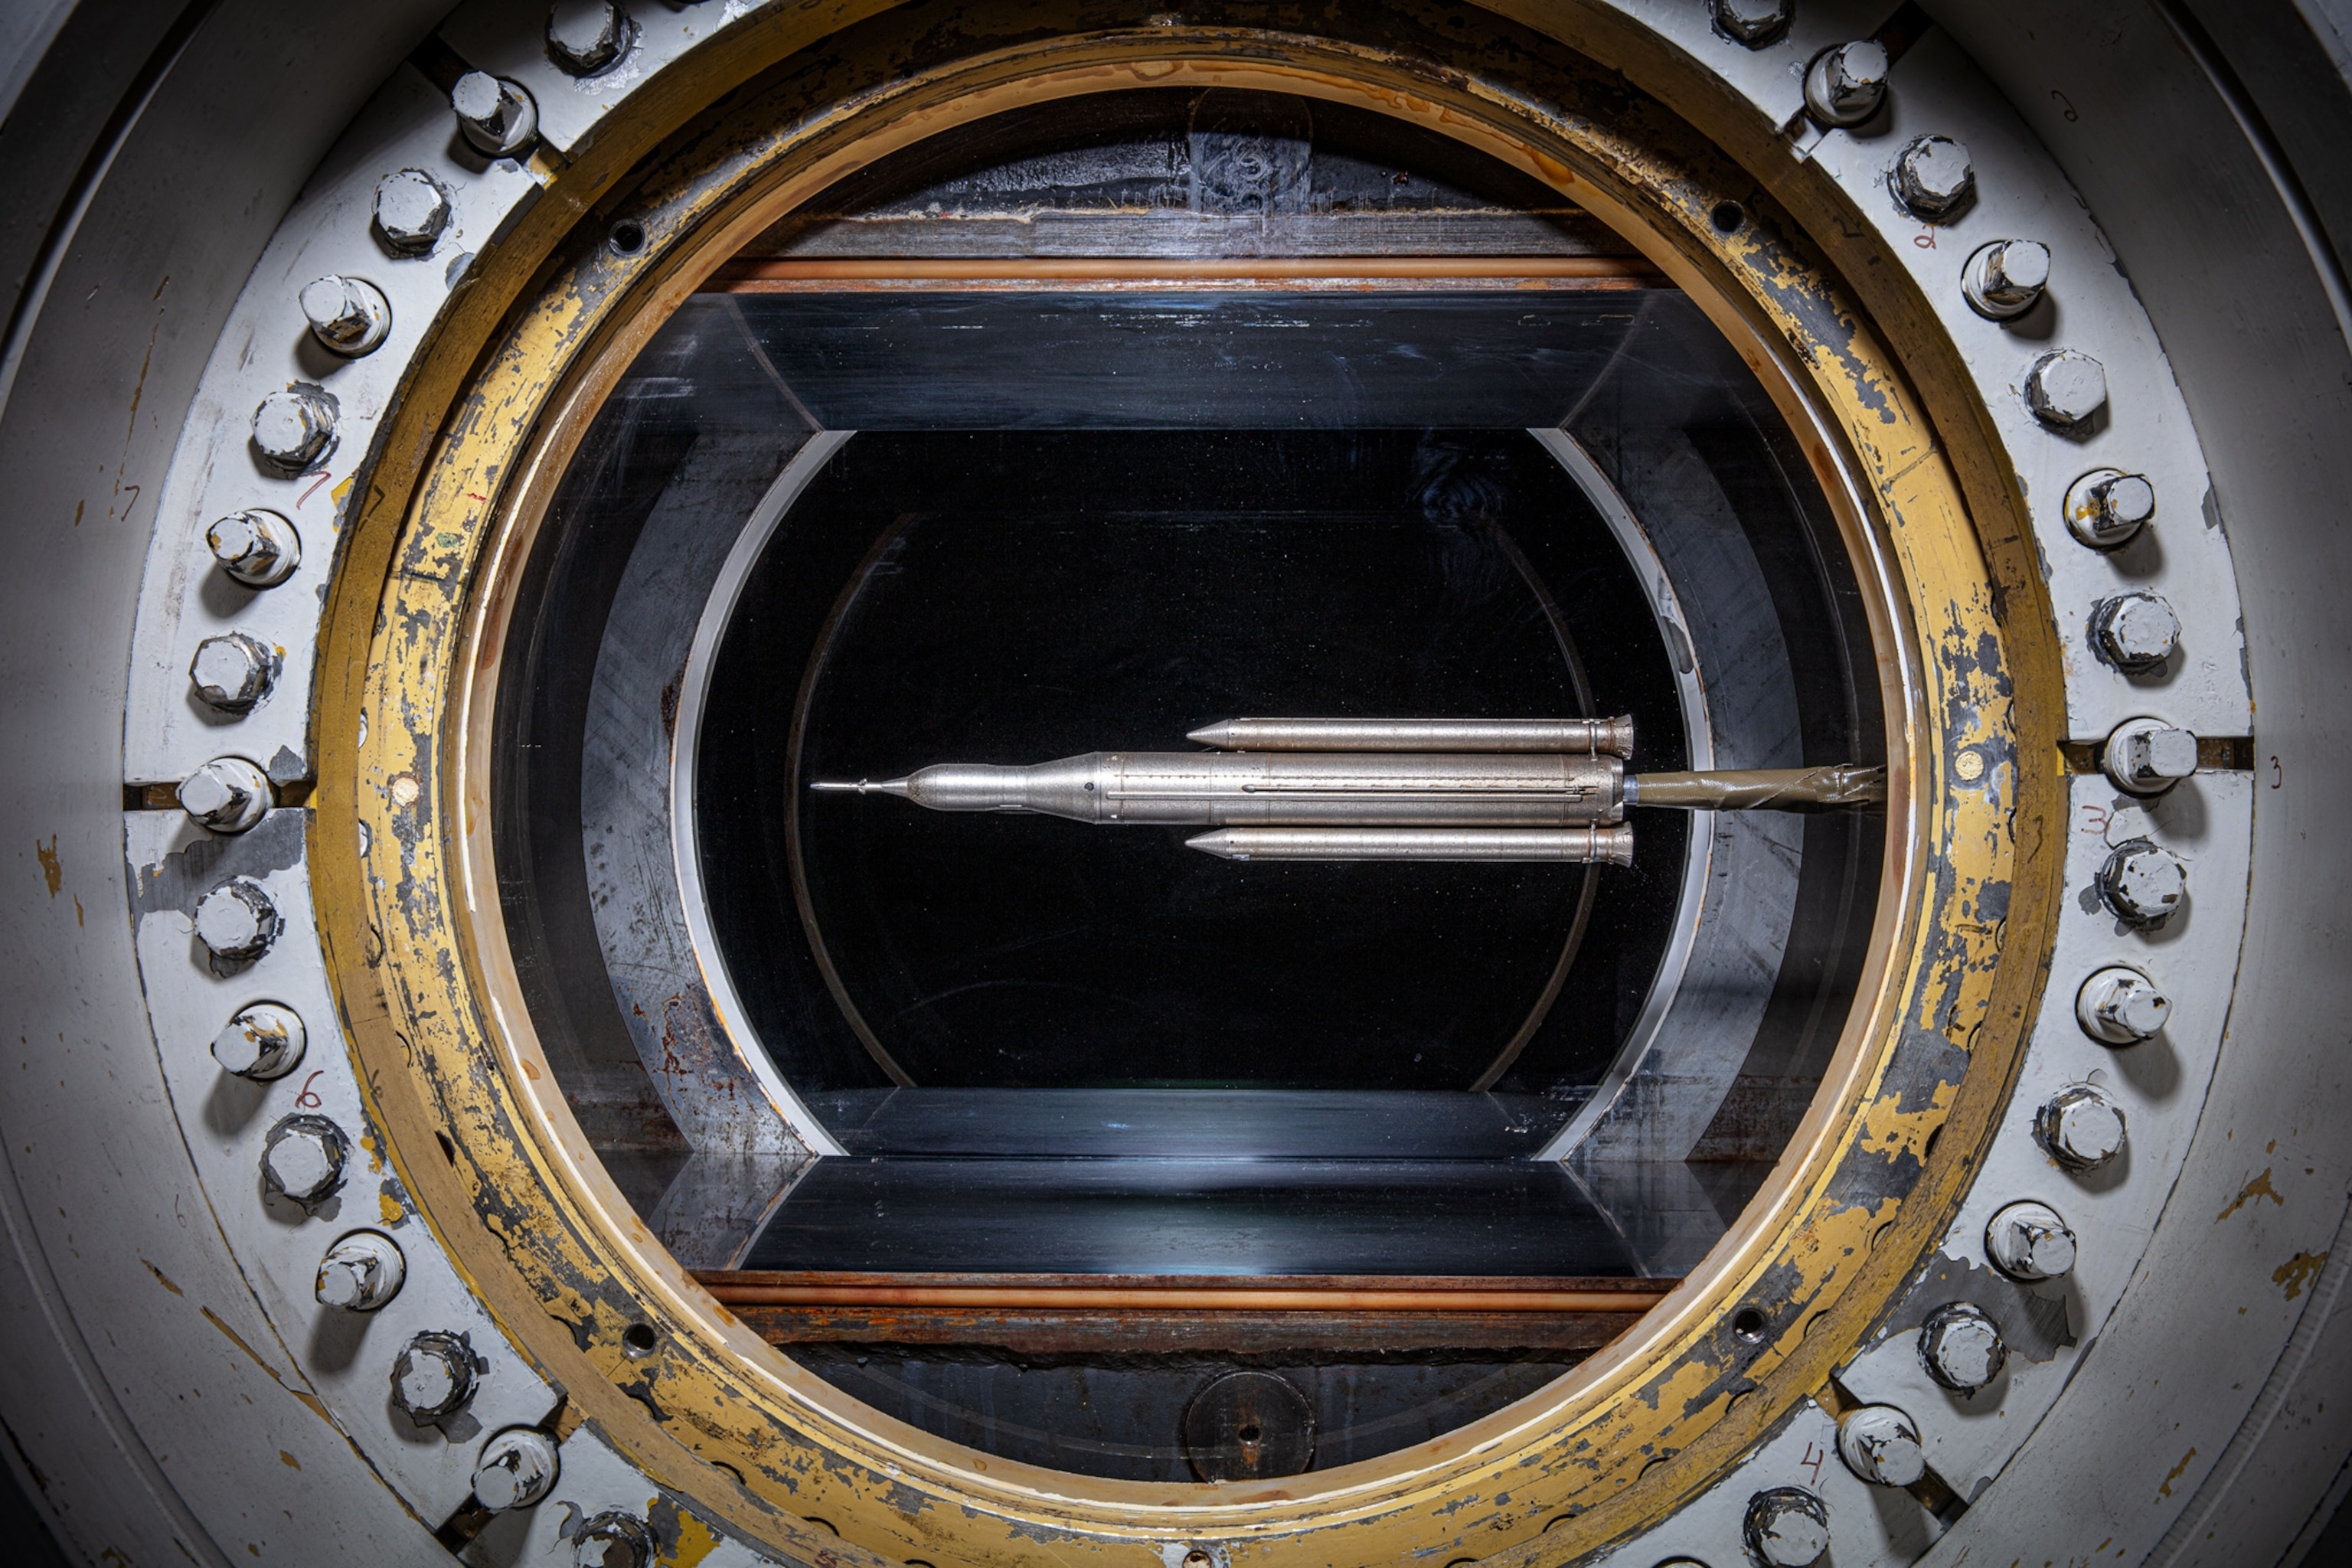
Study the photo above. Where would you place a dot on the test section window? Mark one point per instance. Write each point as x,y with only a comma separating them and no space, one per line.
1192,787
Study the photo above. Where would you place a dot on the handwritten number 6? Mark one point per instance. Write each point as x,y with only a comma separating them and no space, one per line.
307,1099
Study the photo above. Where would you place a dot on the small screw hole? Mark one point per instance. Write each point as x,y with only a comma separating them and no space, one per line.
448,1150
1727,217
1749,1324
628,237
639,1339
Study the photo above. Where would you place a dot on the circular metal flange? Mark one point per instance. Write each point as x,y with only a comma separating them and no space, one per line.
546,1238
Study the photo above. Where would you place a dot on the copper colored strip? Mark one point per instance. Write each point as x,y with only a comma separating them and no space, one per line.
754,276
1049,1331
1363,1295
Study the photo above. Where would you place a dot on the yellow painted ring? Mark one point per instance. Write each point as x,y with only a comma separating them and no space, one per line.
735,1432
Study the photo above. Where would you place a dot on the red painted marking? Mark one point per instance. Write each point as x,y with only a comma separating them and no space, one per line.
307,1100
1812,1461
323,477
471,496
2095,819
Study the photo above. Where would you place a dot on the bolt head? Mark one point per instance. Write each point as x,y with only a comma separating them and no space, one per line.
2106,506
257,547
361,1272
1879,1443
227,794
262,1042
1753,22
2028,1241
1846,85
2119,1006
2066,388
2136,631
1933,178
292,428
2081,1127
2143,883
236,920
304,1158
232,672
516,1469
2006,278
614,1540
411,211
585,37
1962,1347
348,315
2146,756
498,117
1787,1527
433,1376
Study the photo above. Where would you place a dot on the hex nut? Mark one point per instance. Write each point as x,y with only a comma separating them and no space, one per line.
348,315
496,116
227,794
262,1042
1846,84
2028,1241
433,1376
291,427
2148,756
2120,1006
586,37
1787,1527
256,546
412,211
1880,1444
361,1272
2143,882
614,1540
2106,506
2066,389
2080,1126
237,921
1962,1347
1933,178
517,1468
1754,23
304,1159
2006,279
2135,632
232,672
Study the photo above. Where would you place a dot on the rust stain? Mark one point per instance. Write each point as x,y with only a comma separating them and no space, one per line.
289,1461
2166,1490
2297,1272
2260,1187
52,870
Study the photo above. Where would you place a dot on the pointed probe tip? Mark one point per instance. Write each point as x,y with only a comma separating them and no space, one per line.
859,786
1220,844
1214,735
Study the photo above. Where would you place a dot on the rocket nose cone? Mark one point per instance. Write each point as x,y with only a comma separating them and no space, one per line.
1220,844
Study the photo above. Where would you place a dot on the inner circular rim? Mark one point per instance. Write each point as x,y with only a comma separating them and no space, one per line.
1435,1468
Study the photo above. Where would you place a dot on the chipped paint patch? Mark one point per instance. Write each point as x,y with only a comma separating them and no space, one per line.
2260,1187
2297,1273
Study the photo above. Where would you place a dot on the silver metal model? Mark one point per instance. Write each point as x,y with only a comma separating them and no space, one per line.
1536,789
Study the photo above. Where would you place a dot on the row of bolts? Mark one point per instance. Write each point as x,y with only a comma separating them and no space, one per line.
2081,1127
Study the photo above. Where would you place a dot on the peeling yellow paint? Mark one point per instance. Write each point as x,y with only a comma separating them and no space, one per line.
2297,1272
2174,1474
2260,1187
52,872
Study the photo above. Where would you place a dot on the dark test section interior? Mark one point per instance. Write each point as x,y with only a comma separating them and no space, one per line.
1038,596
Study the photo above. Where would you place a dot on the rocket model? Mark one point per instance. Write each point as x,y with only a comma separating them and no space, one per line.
1382,789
